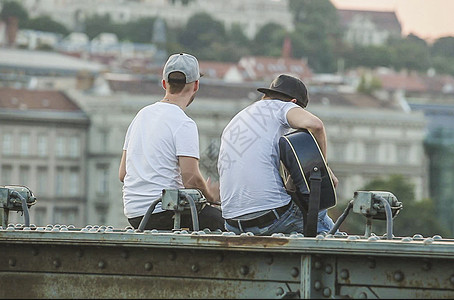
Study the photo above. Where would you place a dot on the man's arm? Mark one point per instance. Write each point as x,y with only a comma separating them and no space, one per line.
300,118
192,178
122,170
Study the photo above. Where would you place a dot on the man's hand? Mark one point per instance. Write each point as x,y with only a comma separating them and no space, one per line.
333,177
214,190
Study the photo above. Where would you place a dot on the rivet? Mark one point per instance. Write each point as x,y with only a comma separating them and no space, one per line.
326,292
195,268
317,265
269,259
295,272
398,276
315,169
328,269
363,295
101,264
372,264
317,285
426,266
56,263
279,291
35,252
172,255
80,253
148,266
244,270
220,257
12,262
344,274
125,254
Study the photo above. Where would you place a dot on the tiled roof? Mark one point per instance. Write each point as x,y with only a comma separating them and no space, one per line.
48,100
267,68
249,91
213,69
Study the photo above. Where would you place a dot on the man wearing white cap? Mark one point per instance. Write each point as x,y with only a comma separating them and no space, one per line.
161,151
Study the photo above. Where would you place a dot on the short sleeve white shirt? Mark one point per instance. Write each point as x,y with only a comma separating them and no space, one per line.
249,159
155,138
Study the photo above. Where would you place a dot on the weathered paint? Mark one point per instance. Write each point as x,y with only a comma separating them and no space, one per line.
93,262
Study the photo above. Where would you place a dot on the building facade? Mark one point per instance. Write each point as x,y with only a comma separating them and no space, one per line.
43,138
254,13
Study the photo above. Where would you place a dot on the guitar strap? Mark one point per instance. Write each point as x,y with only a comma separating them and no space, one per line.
310,226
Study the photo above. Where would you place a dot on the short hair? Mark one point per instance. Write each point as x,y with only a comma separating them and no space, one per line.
177,82
279,96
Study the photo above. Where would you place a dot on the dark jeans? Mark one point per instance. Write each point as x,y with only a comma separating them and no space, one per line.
209,217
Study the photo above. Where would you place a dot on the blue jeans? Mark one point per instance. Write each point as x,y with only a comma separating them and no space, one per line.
290,222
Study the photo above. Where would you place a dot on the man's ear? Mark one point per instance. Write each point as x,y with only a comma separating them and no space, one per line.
164,84
196,86
293,100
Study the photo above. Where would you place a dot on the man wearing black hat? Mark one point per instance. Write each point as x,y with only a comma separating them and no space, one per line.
253,196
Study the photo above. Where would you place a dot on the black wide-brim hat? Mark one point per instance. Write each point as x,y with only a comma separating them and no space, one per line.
289,86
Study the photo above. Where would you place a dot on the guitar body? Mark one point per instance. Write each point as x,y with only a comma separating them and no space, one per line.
300,154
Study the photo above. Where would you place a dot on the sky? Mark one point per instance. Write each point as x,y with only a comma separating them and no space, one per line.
428,19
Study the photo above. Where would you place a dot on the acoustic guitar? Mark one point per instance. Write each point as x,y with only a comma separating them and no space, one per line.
305,174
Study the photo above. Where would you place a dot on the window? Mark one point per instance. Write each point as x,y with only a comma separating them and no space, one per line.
25,144
40,218
7,144
24,175
59,182
103,179
65,215
339,150
7,172
74,146
42,181
372,153
42,145
403,154
60,146
73,188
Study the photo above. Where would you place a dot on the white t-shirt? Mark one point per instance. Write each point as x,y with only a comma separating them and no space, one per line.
249,159
159,133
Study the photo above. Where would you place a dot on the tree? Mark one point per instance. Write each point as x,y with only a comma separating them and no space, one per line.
268,40
12,12
411,53
443,47
199,35
415,216
45,23
317,34
139,31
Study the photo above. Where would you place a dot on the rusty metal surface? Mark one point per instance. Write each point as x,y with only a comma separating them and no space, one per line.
100,262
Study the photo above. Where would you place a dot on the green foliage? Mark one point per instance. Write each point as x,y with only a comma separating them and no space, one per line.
269,40
45,23
317,33
13,9
410,53
369,84
415,216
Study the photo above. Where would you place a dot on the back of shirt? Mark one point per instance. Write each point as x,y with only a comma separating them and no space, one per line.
155,138
248,162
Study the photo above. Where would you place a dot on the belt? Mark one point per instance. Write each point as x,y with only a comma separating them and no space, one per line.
261,221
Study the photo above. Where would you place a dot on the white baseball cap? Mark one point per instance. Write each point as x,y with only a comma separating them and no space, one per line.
184,63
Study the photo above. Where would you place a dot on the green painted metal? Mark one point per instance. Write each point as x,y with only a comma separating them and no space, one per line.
101,262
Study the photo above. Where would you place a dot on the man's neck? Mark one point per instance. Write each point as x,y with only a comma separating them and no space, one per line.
179,101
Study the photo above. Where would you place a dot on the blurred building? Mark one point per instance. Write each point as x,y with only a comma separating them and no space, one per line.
367,28
43,138
254,13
